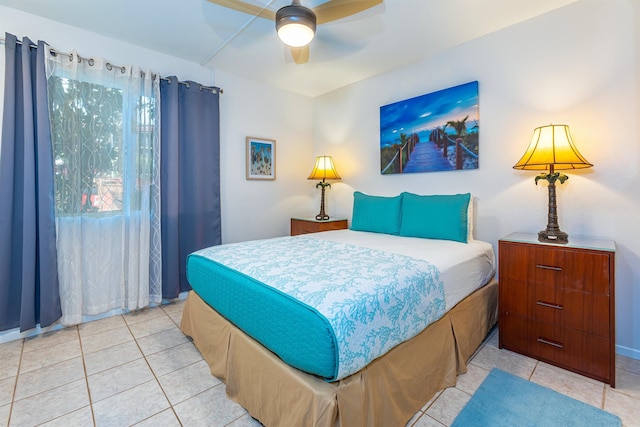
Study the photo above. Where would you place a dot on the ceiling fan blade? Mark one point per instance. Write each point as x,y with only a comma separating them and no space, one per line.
300,55
244,7
338,9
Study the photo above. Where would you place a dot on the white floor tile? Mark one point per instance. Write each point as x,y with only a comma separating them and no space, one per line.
115,380
11,348
10,353
211,408
101,325
51,376
175,307
48,339
54,354
628,364
624,406
430,402
4,415
427,421
471,380
50,404
490,357
102,340
628,383
81,418
165,418
152,326
245,421
573,385
448,405
166,361
111,357
157,342
185,383
131,406
7,387
143,315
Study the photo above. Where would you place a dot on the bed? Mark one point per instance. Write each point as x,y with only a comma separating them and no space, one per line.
264,316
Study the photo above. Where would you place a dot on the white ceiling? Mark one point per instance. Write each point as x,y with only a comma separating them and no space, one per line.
389,35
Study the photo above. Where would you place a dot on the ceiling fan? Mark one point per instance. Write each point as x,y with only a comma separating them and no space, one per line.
296,24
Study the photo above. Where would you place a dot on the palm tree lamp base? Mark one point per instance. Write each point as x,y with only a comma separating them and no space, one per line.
552,233
322,216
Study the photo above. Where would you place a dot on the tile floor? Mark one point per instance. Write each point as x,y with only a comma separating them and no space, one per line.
139,369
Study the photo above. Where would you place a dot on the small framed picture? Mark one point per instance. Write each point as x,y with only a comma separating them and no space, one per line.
261,158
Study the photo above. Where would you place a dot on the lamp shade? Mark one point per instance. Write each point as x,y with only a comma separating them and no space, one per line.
324,169
552,145
296,25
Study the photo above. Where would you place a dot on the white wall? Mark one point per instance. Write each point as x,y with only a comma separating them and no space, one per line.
261,209
250,209
579,66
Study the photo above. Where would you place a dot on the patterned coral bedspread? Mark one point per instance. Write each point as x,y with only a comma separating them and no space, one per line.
373,300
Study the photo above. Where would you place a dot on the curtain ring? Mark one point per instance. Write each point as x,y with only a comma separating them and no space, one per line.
79,59
187,85
71,57
108,66
91,62
123,69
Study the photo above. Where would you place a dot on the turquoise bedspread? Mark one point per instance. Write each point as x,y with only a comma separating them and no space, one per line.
324,307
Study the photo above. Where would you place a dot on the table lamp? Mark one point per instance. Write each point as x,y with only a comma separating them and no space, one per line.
552,149
324,169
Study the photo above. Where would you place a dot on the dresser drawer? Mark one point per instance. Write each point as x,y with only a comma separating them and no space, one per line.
574,269
571,309
570,349
549,303
306,226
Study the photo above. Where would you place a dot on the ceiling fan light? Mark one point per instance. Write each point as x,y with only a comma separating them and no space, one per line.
296,25
295,35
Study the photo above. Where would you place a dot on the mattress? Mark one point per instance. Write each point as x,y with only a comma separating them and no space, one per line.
464,267
234,283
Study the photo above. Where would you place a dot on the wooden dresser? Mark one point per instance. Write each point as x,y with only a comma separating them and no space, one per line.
309,225
557,302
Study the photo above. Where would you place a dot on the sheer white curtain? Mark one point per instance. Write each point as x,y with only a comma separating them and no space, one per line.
105,132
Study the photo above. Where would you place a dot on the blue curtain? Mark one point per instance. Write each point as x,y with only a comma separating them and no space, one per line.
28,271
189,177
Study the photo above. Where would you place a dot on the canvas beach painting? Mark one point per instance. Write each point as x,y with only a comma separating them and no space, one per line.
437,131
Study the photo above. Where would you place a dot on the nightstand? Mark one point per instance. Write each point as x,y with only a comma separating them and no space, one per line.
556,302
310,225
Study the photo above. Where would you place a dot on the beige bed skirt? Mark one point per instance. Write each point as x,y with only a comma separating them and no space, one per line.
387,392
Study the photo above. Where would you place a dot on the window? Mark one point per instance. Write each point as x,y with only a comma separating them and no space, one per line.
88,124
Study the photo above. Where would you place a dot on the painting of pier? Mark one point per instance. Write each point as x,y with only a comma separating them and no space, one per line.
433,132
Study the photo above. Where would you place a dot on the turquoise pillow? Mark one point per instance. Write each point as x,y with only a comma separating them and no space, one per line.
376,214
435,217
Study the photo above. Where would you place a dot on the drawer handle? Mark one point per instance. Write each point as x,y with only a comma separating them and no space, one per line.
554,344
548,267
550,305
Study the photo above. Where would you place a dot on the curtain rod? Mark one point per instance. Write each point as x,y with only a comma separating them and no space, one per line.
110,66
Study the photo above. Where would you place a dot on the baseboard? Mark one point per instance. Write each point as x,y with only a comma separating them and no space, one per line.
15,334
628,352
